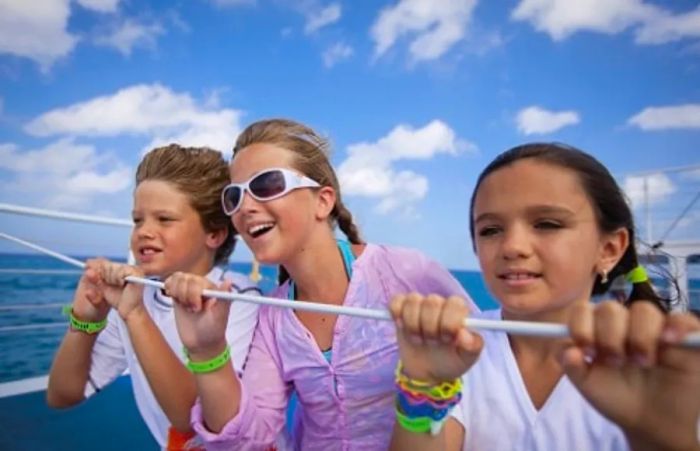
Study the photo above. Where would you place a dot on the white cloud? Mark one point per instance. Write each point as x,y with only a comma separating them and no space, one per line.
36,30
667,117
535,120
433,26
651,24
658,188
129,34
63,174
368,170
150,110
665,27
103,6
336,53
317,19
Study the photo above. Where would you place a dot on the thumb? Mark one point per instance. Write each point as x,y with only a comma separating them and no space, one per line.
469,345
573,360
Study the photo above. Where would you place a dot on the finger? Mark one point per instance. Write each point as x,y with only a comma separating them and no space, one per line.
430,314
469,344
646,322
611,321
452,319
581,325
410,316
195,286
396,308
575,365
676,327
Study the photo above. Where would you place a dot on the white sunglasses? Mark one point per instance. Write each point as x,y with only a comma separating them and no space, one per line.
263,186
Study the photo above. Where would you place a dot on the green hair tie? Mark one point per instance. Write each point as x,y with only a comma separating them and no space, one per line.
637,275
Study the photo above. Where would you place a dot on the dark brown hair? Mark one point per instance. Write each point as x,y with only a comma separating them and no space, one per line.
201,174
609,204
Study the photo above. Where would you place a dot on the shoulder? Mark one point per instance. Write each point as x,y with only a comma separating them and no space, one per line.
241,283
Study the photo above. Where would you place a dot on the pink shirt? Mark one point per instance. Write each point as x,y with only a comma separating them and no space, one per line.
349,403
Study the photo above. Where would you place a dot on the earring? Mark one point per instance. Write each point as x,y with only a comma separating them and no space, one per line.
604,277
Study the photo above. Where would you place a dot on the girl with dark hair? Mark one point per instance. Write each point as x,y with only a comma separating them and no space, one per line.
285,201
550,228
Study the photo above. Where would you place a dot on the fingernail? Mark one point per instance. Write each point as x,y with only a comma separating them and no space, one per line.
415,340
642,360
589,353
614,361
670,336
445,339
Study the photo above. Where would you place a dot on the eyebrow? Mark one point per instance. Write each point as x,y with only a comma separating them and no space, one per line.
531,211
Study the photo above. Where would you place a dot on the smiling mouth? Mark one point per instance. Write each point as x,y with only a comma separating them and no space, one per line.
260,229
516,276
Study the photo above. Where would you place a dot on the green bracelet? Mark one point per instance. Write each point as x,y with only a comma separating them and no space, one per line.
89,327
210,365
418,425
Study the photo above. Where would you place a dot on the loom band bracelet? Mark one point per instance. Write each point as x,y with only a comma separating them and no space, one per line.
433,394
418,425
208,366
409,400
421,398
424,410
88,327
411,403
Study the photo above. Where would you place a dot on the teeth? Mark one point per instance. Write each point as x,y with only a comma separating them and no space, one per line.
257,228
519,276
147,251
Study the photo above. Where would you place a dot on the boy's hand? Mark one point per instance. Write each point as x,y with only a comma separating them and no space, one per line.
125,298
89,303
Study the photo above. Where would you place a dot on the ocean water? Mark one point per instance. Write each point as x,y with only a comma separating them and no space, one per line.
28,352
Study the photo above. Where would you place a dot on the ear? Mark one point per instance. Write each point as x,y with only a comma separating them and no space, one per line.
613,247
216,238
325,202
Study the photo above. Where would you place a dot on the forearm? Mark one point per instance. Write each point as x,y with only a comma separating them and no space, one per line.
70,369
641,441
220,393
172,384
403,439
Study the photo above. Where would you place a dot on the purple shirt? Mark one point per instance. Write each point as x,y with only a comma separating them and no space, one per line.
347,404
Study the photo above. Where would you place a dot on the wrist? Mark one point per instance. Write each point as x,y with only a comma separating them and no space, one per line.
205,353
76,324
134,315
210,365
86,314
640,440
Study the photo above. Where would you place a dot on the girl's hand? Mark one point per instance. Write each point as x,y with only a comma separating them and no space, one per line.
201,322
626,363
89,303
434,346
125,298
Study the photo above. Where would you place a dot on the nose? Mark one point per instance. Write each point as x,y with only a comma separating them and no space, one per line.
516,243
248,203
144,229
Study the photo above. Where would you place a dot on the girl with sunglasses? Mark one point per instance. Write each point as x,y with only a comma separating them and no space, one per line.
285,201
550,228
178,226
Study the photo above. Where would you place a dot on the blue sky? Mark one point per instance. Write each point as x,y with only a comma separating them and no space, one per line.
417,96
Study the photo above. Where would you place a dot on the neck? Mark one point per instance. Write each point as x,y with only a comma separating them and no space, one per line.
318,271
540,348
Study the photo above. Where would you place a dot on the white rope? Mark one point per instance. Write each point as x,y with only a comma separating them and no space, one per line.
512,327
9,208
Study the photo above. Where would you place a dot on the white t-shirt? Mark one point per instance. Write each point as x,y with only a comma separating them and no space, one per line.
497,412
113,352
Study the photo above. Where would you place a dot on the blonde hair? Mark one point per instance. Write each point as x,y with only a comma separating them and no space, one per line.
311,159
201,174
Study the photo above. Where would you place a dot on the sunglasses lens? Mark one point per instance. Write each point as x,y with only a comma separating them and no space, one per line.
267,184
230,199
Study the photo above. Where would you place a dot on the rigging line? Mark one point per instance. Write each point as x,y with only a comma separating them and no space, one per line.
512,327
678,219
18,209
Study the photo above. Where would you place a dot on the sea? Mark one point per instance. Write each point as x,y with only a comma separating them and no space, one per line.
34,288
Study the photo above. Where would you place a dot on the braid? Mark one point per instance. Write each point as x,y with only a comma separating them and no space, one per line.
346,224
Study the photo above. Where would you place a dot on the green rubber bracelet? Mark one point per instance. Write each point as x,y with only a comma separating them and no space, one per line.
210,365
89,327
420,425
